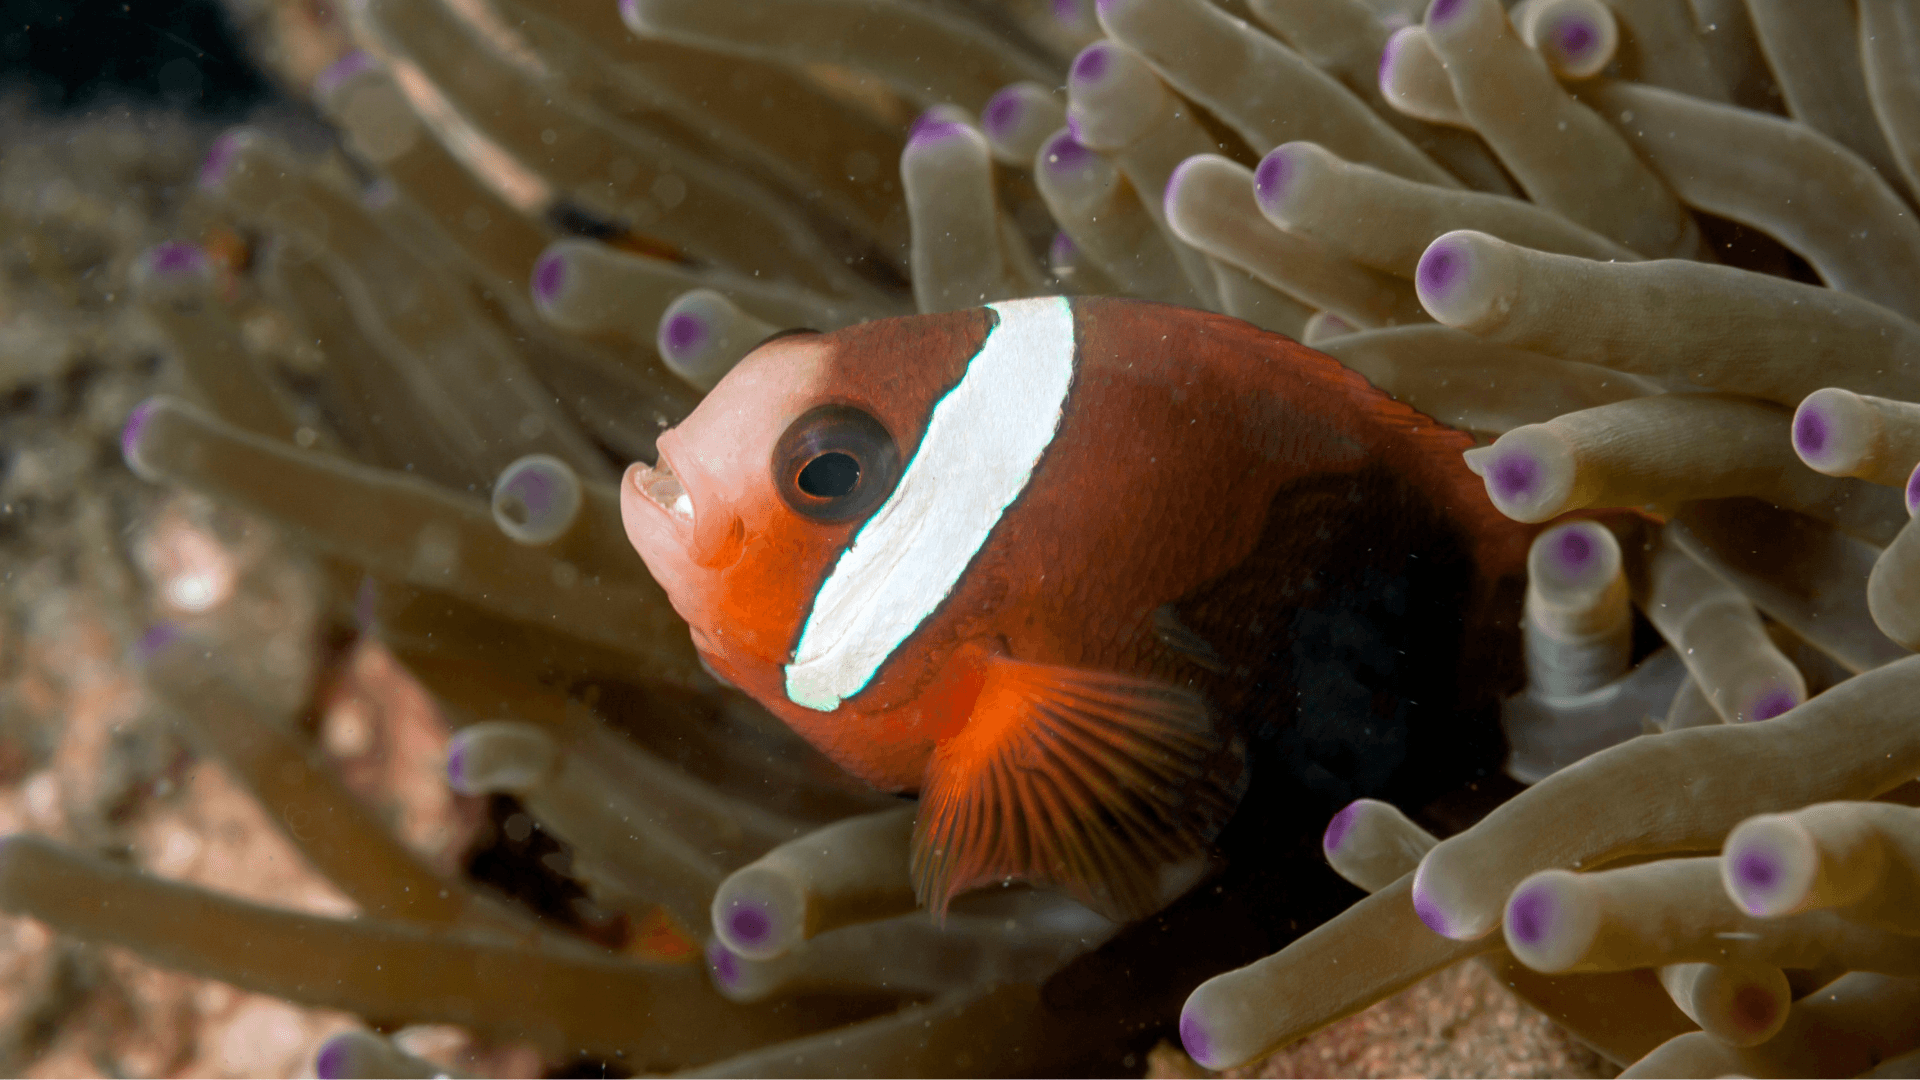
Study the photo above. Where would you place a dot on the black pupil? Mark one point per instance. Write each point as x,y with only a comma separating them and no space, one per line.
830,475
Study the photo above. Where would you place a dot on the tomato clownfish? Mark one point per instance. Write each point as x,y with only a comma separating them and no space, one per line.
1077,572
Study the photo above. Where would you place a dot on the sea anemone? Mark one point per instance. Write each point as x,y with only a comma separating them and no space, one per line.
1621,242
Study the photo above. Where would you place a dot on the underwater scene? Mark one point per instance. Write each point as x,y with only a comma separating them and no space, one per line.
1159,538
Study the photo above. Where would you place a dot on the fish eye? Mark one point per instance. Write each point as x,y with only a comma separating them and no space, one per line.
830,476
836,463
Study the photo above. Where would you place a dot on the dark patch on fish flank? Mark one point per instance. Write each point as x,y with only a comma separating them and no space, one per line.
1350,621
1351,670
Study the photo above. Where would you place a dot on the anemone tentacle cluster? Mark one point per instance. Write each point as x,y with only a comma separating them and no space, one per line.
1622,242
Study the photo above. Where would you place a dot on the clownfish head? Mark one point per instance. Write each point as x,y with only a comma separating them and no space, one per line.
759,494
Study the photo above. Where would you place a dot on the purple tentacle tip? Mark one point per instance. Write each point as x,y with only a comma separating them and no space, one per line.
219,156
1174,180
930,129
1104,7
934,117
723,964
1774,703
1429,911
457,765
1091,65
1575,550
749,923
176,257
630,10
1913,491
1514,476
1387,54
1063,249
1811,431
1575,36
156,639
1755,872
1530,915
1441,268
1064,153
1002,112
534,489
337,73
335,1059
1442,10
136,424
549,277
685,332
1338,828
1271,178
1194,1037
1066,11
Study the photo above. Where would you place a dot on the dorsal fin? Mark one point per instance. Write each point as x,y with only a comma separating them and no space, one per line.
1104,785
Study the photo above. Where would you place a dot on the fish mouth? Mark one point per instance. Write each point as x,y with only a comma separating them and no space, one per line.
664,489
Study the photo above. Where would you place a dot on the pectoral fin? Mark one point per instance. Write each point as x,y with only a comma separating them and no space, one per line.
1103,785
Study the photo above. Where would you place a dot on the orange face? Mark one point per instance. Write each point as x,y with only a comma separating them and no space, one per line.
759,492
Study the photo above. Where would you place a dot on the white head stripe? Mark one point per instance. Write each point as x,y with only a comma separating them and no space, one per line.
982,443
